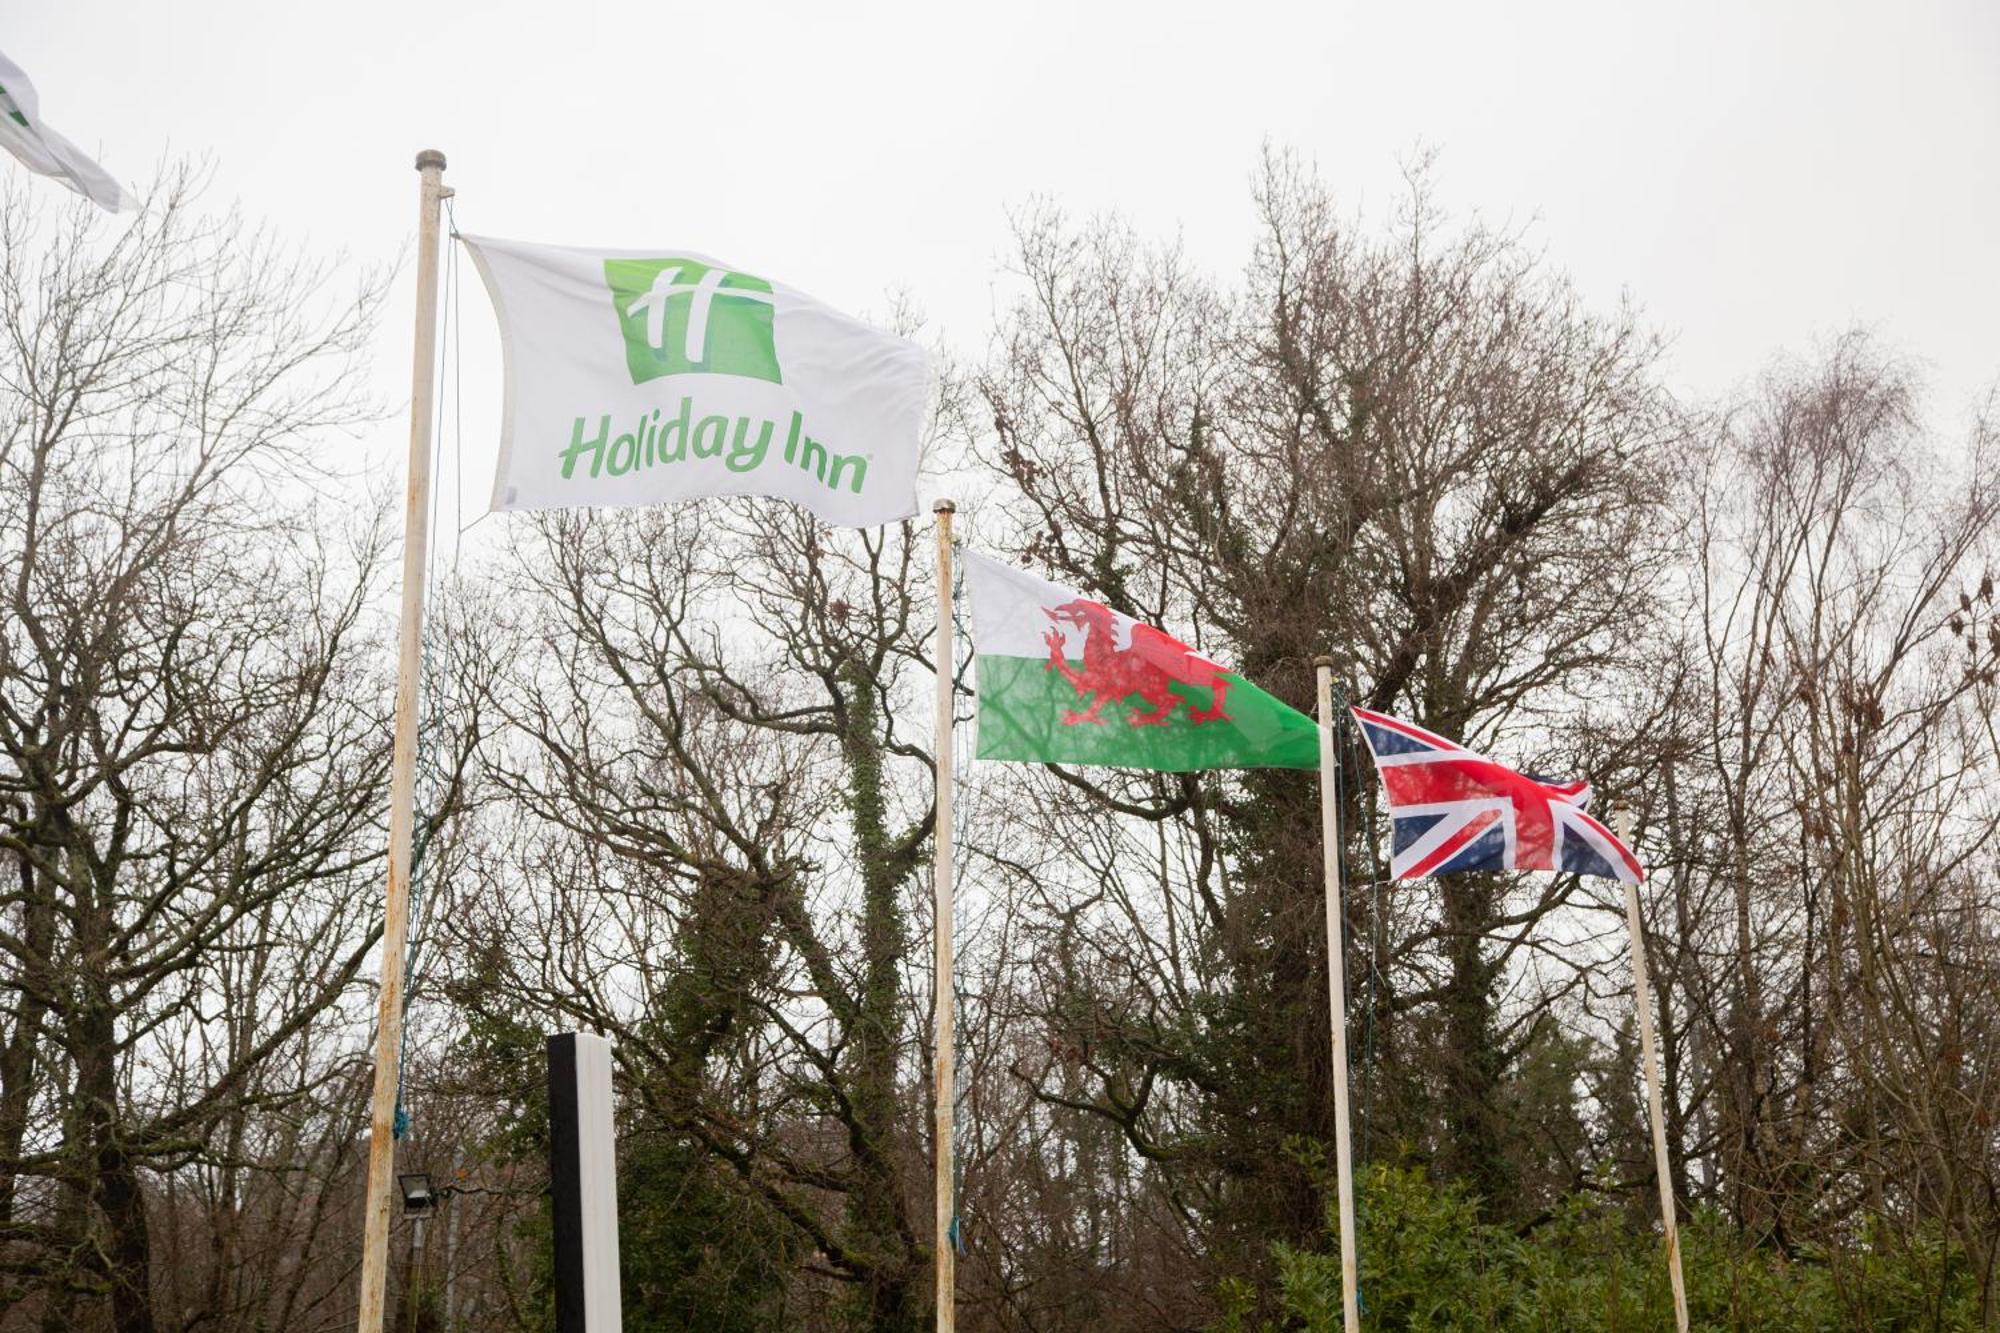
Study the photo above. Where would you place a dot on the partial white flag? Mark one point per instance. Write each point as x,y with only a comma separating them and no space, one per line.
45,151
642,377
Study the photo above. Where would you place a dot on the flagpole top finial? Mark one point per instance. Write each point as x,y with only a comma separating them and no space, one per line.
429,158
1323,661
1621,819
944,507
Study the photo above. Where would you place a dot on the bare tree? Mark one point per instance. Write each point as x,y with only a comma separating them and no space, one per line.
192,743
708,728
1832,808
1422,454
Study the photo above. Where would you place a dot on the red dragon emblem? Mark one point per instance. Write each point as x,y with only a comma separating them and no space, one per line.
1149,667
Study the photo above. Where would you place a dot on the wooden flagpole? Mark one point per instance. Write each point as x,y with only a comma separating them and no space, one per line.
1336,985
402,772
1642,997
945,1264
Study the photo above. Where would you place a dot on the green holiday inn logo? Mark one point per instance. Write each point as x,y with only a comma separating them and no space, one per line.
13,110
682,317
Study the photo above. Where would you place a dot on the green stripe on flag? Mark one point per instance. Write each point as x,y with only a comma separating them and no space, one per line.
1024,704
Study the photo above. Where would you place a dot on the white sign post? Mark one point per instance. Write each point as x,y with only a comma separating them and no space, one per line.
583,1180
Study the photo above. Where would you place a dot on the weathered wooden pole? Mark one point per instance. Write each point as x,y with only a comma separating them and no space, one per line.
1642,997
403,762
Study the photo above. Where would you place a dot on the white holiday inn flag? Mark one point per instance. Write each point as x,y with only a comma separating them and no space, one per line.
45,151
640,377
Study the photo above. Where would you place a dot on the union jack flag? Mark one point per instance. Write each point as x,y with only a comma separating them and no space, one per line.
1456,810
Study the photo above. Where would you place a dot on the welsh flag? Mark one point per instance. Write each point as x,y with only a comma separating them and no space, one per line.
1066,680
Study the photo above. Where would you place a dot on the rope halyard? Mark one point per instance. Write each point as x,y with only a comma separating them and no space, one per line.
431,784
1345,749
962,771
1370,822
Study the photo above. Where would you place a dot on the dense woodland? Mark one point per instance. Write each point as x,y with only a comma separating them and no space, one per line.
677,789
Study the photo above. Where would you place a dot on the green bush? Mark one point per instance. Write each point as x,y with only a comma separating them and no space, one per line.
1428,1263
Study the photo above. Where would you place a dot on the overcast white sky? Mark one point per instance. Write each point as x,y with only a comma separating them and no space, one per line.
1757,175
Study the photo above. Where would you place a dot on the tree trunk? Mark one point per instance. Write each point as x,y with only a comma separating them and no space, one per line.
17,1058
1473,1060
130,1247
877,1214
127,1256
